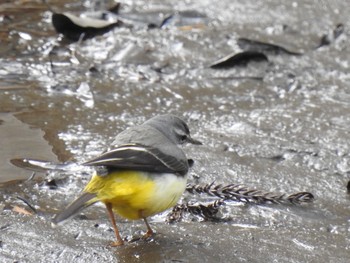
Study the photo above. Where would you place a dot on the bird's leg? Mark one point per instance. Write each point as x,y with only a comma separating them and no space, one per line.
119,241
149,232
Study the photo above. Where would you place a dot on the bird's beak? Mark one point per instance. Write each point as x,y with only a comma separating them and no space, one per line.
193,141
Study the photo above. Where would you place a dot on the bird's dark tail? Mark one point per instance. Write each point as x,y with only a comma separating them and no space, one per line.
79,204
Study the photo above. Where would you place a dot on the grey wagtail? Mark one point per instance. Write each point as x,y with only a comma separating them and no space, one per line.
142,174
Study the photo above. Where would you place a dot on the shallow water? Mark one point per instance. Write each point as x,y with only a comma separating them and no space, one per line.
280,126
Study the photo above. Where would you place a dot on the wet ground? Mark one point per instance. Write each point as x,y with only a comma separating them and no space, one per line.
280,126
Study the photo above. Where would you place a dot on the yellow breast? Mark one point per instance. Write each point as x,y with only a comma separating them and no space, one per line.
136,195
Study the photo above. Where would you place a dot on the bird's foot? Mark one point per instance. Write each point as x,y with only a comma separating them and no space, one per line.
149,234
146,237
116,243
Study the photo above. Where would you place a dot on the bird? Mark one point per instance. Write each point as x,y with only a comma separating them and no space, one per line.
142,173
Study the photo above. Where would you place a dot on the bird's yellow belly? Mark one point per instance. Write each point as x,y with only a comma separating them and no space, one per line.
136,195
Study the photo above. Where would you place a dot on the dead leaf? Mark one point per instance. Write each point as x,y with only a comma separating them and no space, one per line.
21,210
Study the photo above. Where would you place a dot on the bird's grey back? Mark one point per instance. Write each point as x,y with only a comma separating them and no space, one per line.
146,135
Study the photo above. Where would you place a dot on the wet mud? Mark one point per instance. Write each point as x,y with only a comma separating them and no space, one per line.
280,125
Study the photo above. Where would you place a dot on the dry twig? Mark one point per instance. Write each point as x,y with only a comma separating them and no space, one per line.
231,192
206,211
241,193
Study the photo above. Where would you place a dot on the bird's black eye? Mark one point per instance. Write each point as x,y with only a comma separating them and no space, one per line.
183,138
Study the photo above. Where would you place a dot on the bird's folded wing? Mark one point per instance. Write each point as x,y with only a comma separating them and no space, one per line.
141,158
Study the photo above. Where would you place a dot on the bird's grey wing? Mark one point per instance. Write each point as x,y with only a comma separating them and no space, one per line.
141,158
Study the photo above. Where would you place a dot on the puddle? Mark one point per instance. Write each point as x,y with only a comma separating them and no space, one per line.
18,140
